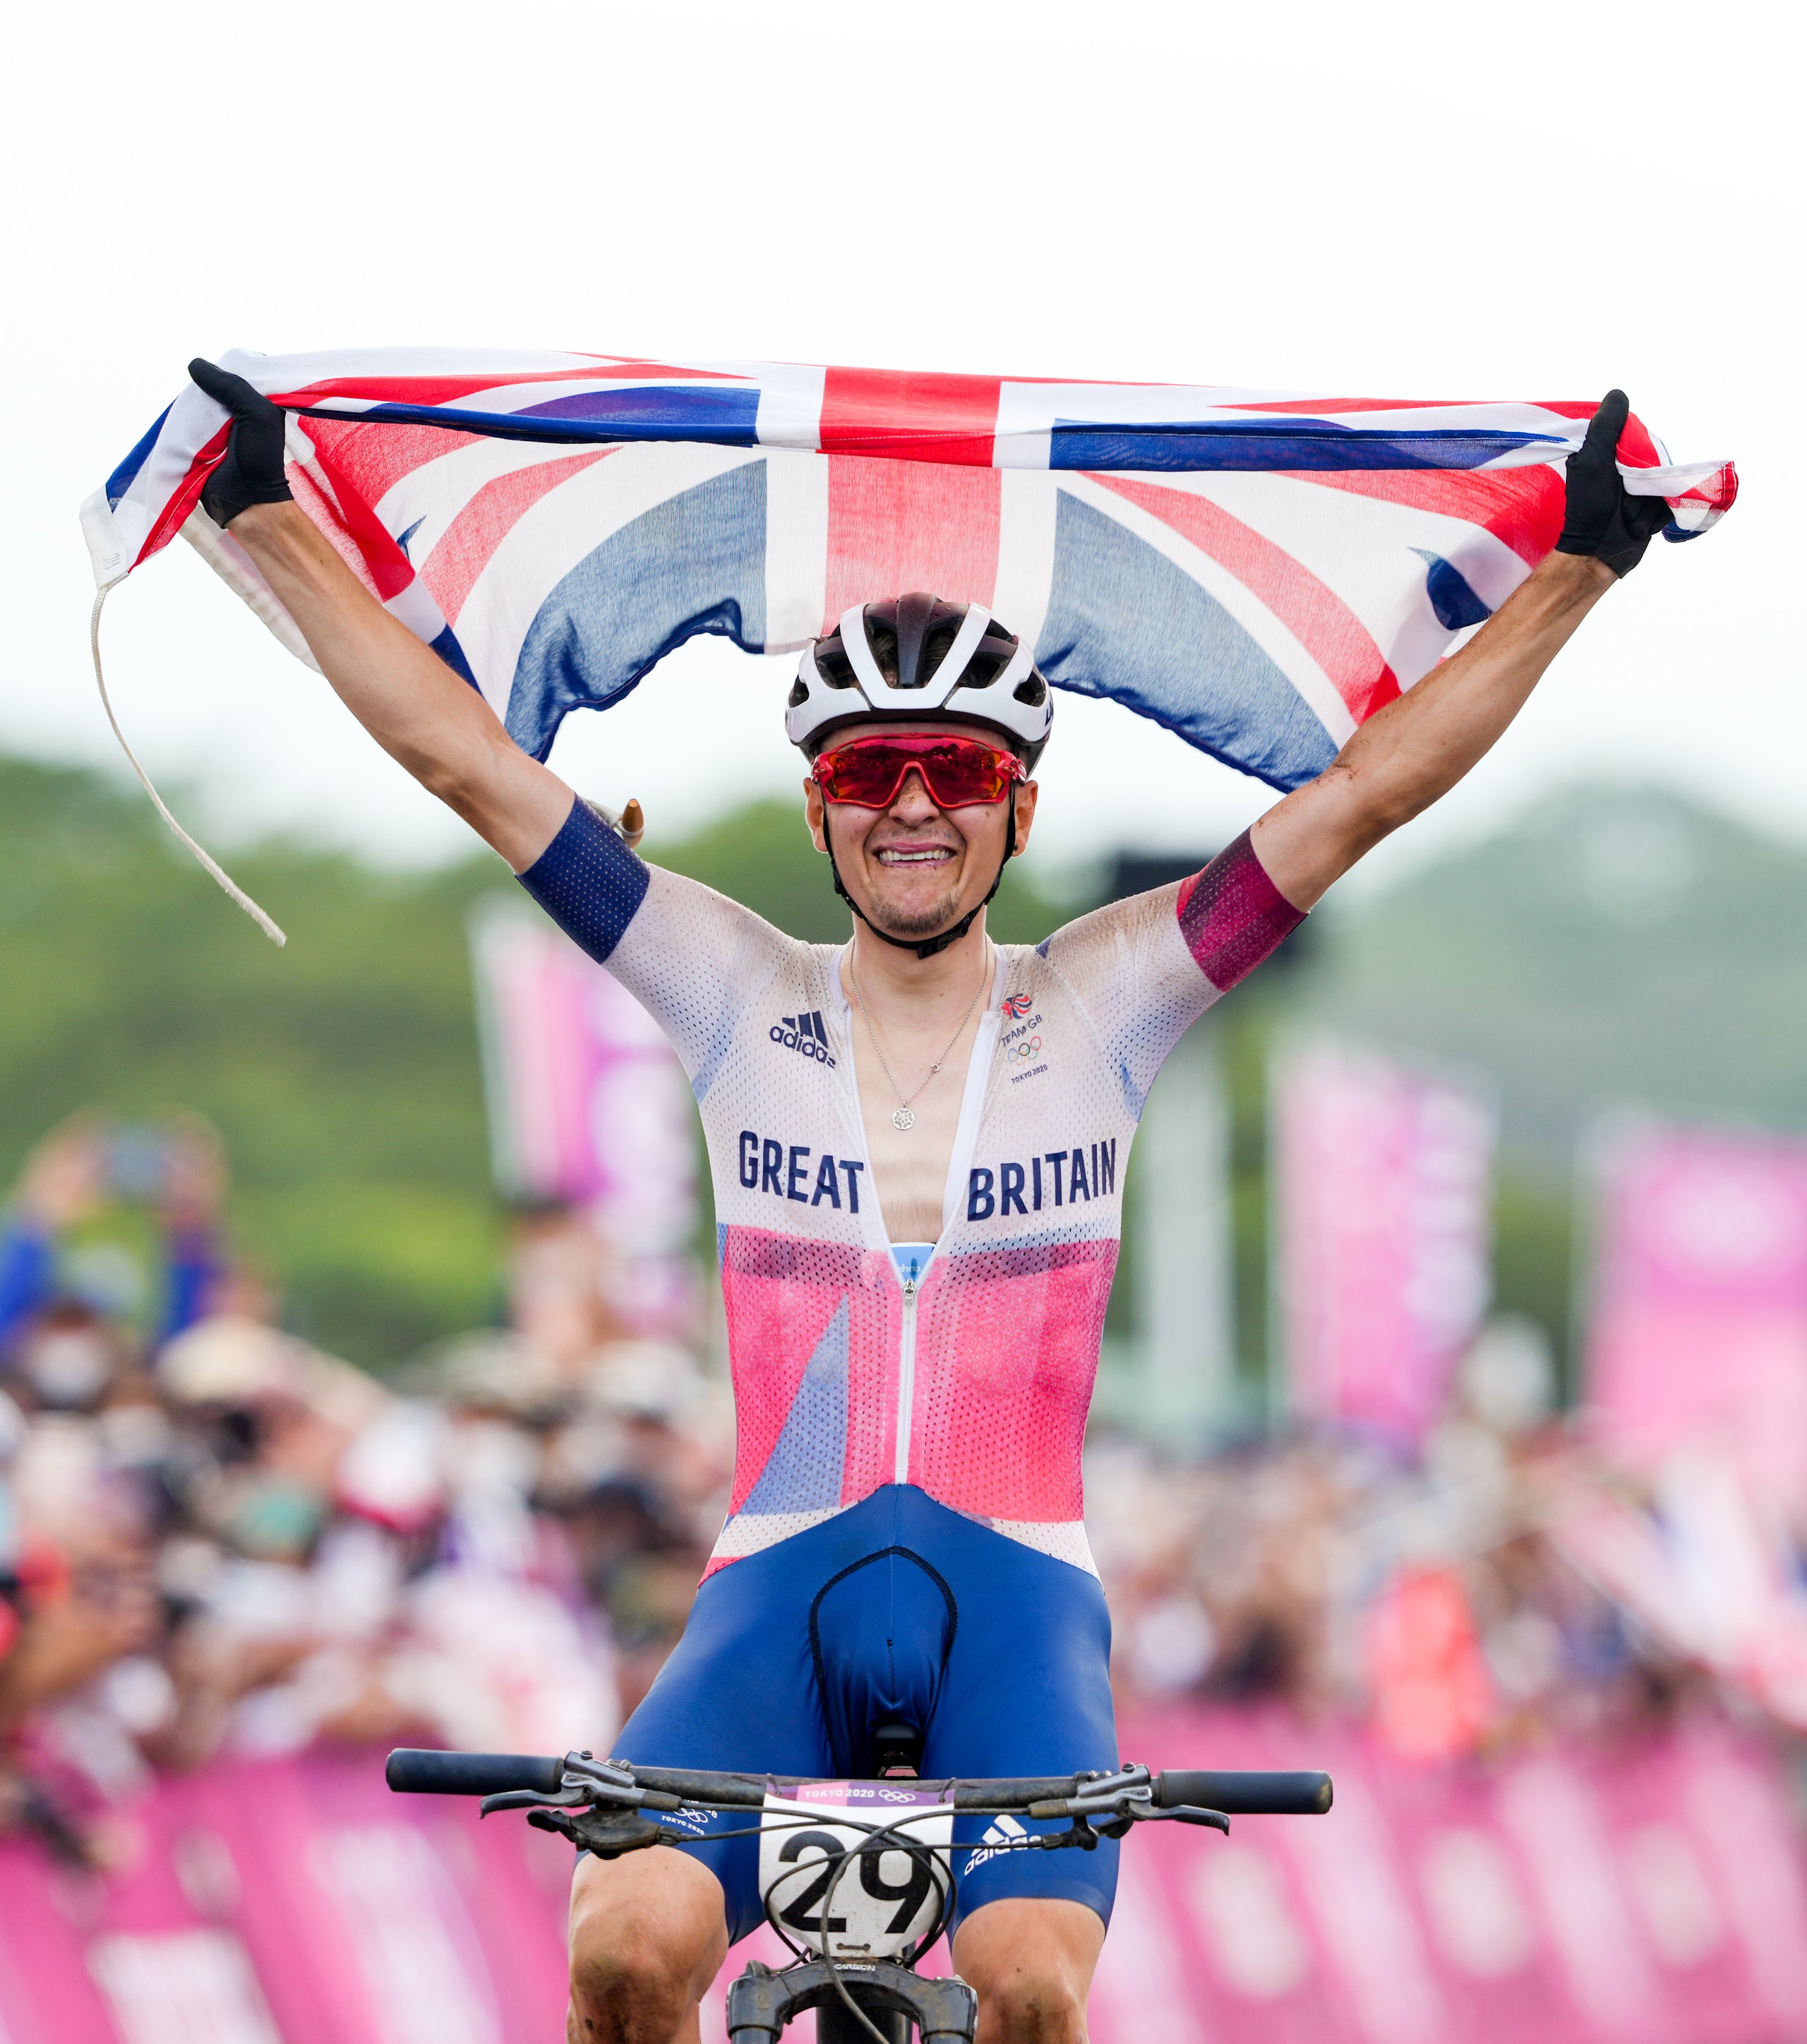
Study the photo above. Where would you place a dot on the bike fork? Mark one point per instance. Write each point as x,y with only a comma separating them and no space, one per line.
835,2025
762,2002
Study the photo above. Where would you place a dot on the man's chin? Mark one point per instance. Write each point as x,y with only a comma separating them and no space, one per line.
913,926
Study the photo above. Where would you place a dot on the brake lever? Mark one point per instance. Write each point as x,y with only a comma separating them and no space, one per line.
531,1799
607,1833
1186,1813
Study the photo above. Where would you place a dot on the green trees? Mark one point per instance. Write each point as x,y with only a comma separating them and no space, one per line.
1608,944
342,1070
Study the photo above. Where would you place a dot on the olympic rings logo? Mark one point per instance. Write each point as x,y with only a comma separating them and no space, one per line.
1030,1047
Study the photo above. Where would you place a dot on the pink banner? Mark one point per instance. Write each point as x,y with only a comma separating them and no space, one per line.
1381,1225
288,1903
1659,1894
1698,1333
587,1105
1656,1894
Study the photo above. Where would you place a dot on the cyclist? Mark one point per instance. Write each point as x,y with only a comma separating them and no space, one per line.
917,1140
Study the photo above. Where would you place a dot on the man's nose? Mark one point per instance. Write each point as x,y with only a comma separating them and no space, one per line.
914,804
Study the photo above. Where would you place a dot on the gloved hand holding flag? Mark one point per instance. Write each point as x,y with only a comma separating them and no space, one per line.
1259,572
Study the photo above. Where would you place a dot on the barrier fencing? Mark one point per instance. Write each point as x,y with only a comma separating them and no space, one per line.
1657,1893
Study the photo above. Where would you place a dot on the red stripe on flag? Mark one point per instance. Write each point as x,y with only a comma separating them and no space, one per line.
896,413
465,546
445,390
389,570
1310,609
186,495
310,498
1328,407
374,457
899,525
1522,506
1636,448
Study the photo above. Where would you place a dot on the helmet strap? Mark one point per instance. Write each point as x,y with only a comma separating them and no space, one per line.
928,947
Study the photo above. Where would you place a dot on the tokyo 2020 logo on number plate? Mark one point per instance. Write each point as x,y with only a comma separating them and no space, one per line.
881,1905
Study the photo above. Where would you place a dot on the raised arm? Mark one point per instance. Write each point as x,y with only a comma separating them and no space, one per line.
413,705
1421,744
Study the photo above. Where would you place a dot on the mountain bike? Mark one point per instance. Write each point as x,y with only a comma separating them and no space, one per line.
834,1890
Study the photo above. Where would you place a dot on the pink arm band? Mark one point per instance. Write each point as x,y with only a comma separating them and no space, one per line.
1232,917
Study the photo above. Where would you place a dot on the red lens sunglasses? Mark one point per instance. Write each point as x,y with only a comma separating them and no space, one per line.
957,772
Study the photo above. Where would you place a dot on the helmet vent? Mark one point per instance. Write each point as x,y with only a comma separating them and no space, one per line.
833,665
895,660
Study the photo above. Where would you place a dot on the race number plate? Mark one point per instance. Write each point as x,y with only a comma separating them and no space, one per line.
882,1904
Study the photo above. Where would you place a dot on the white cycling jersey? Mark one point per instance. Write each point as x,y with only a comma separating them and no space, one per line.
968,1371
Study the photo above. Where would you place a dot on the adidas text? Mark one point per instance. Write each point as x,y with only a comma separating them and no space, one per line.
804,1032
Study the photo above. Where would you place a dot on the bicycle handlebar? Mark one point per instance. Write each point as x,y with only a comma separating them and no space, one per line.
423,1771
1244,1794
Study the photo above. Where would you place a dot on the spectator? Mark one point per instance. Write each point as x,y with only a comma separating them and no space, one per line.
179,1168
217,1538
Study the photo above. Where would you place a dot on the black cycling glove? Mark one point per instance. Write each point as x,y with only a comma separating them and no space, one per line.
252,471
1602,518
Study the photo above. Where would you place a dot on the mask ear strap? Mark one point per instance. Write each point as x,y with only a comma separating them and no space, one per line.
210,864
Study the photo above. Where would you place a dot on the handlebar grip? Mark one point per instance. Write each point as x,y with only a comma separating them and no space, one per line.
1245,1795
415,1770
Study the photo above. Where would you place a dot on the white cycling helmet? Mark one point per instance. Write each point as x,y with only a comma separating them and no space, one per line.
951,660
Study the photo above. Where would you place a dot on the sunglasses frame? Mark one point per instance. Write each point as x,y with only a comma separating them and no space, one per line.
917,746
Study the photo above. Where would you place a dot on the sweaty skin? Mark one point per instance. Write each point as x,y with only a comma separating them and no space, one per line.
646,1932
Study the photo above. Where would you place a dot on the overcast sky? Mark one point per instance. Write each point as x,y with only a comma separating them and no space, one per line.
1446,200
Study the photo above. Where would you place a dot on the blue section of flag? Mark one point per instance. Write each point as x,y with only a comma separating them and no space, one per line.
1212,444
694,563
1455,603
725,415
446,645
715,418
804,1473
1123,622
121,479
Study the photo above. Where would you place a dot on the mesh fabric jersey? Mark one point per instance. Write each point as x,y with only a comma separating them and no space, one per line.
972,1384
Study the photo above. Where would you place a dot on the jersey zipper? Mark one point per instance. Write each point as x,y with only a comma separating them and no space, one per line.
906,1382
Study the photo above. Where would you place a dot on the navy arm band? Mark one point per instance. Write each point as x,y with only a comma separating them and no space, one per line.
588,881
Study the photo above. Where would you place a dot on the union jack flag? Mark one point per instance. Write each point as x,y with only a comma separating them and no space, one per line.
1257,571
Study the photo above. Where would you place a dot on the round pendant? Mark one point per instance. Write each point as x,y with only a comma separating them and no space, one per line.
903,1119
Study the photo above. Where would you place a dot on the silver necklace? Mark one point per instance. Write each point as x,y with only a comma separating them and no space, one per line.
902,1118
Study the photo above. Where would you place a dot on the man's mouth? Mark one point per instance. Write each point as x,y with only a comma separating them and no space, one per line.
914,854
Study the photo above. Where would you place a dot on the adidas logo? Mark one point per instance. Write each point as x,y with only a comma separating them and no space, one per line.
1002,1834
805,1033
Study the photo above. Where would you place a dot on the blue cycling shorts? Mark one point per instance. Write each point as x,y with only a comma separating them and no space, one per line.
896,1609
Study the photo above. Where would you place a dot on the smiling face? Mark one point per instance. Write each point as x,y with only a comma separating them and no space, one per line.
915,869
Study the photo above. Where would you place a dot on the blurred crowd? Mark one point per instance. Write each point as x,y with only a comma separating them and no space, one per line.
1440,1596
215,1538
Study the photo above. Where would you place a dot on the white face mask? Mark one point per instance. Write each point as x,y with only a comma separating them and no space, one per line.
68,1369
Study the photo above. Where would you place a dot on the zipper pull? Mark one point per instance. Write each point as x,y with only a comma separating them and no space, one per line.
909,1286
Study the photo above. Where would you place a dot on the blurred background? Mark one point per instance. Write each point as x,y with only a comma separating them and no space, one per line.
362,1382
360,1370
